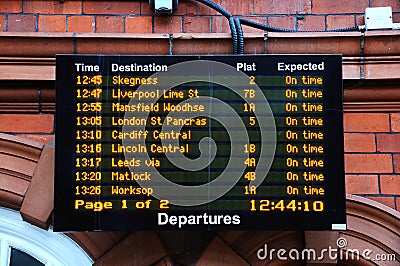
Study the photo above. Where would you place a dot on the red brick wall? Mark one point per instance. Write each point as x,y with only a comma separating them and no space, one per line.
135,16
372,156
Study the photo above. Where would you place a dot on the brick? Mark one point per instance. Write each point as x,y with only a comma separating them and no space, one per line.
168,24
395,122
355,142
2,23
205,10
11,6
233,6
286,22
360,20
237,7
398,203
188,8
395,4
282,7
388,201
26,123
311,23
22,23
139,24
339,22
396,163
220,24
366,122
262,20
339,7
390,184
196,24
111,7
53,7
55,23
145,8
362,184
109,24
81,24
396,18
388,142
368,163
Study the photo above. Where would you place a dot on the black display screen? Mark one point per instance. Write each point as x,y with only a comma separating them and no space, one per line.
199,142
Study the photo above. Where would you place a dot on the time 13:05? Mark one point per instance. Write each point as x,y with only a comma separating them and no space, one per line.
282,205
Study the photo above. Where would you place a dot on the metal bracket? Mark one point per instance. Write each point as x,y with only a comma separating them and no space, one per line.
39,100
171,47
362,51
266,42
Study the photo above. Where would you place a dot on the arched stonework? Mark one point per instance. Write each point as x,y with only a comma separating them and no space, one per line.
18,160
374,226
26,184
25,166
370,225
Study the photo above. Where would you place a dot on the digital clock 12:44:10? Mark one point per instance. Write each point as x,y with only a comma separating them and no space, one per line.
288,205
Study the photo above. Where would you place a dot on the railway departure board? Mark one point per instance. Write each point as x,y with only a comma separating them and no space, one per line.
199,142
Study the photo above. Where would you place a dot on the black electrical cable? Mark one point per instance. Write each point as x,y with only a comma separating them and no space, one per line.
237,32
276,29
216,7
262,26
356,28
230,18
234,34
240,37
